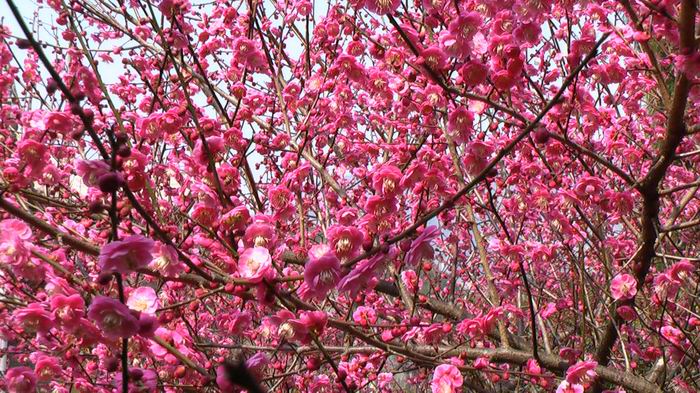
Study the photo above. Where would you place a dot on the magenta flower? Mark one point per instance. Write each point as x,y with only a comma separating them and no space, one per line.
47,368
322,271
420,247
34,318
14,228
91,171
627,313
385,180
223,381
61,122
446,379
460,123
143,299
681,269
235,219
623,287
114,319
344,240
261,233
567,387
255,264
140,381
364,316
68,310
382,7
20,380
132,253
256,363
165,260
582,372
364,271
309,323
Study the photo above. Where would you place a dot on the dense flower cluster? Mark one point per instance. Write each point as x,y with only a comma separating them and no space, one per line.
362,195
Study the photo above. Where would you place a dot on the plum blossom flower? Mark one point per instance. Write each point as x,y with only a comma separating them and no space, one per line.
322,271
680,270
623,287
140,381
143,299
582,372
382,7
627,313
60,122
255,264
309,323
345,240
460,123
236,218
256,363
420,247
246,51
223,381
446,379
364,271
68,310
91,171
165,260
47,367
114,319
386,180
364,315
261,233
20,380
132,253
568,387
34,318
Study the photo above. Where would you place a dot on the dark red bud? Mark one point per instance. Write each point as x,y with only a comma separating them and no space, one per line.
23,43
104,278
109,182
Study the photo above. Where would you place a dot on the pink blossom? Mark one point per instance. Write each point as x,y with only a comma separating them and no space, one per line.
114,319
364,316
627,313
60,122
223,381
13,228
460,123
255,264
236,219
322,270
34,318
420,247
582,372
166,260
446,379
386,180
623,286
68,310
47,368
91,171
143,299
382,7
261,233
309,323
344,240
140,381
567,387
125,256
681,269
20,380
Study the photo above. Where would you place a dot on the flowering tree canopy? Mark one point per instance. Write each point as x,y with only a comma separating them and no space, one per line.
349,196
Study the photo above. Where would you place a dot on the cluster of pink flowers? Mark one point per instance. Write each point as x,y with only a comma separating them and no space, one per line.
360,195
